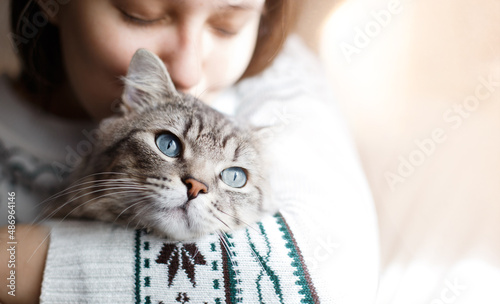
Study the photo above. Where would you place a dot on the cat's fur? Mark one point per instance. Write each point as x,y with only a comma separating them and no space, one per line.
128,180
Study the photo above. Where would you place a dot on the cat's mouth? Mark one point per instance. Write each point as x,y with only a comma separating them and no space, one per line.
186,204
184,208
186,219
187,208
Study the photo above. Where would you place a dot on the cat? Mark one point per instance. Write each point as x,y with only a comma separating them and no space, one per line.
168,163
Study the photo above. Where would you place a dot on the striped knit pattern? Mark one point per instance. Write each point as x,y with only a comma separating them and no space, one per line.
100,253
259,264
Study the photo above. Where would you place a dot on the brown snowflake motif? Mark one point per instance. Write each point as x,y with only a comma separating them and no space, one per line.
186,255
182,298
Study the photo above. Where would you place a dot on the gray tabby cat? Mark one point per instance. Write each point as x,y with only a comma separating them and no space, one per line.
168,163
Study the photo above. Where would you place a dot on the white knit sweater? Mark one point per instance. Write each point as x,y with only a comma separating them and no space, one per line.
321,247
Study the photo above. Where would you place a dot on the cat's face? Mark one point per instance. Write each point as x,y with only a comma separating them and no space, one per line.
175,165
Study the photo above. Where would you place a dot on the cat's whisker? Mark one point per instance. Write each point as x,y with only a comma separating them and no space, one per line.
108,183
75,183
231,255
224,223
256,256
38,247
134,204
67,190
73,198
224,242
60,194
100,173
96,184
109,189
236,218
137,225
107,173
93,192
123,211
197,250
137,214
131,220
253,250
199,95
232,230
47,236
99,197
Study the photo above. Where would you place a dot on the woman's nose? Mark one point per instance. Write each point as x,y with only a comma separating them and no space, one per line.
183,58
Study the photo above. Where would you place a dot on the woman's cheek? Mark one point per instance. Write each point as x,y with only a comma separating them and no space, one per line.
115,51
236,57
89,61
100,58
97,48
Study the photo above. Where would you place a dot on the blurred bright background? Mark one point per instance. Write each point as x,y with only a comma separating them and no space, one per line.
419,85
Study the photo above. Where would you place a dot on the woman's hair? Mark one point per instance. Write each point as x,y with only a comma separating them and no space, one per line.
38,47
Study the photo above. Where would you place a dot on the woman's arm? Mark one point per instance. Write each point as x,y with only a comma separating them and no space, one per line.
29,263
316,175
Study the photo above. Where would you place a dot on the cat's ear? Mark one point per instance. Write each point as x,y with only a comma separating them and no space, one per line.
147,83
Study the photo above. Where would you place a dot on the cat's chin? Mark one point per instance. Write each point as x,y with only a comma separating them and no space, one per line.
179,238
178,234
184,223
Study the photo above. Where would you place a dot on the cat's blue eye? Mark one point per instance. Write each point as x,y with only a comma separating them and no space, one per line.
234,177
169,144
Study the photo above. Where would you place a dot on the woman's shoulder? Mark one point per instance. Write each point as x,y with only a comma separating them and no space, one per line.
294,88
296,69
36,151
29,128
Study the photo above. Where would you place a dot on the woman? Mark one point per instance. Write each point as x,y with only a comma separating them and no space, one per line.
70,69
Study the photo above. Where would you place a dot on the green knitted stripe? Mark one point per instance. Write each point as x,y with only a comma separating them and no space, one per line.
230,275
138,266
309,297
265,267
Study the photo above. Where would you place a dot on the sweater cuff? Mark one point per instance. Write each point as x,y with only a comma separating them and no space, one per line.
100,253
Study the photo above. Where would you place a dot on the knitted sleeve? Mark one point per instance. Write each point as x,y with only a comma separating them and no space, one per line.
92,262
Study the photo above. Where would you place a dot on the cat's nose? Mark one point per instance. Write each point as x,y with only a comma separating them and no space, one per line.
194,187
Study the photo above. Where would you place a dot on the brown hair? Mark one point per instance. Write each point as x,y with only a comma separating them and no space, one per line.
38,46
